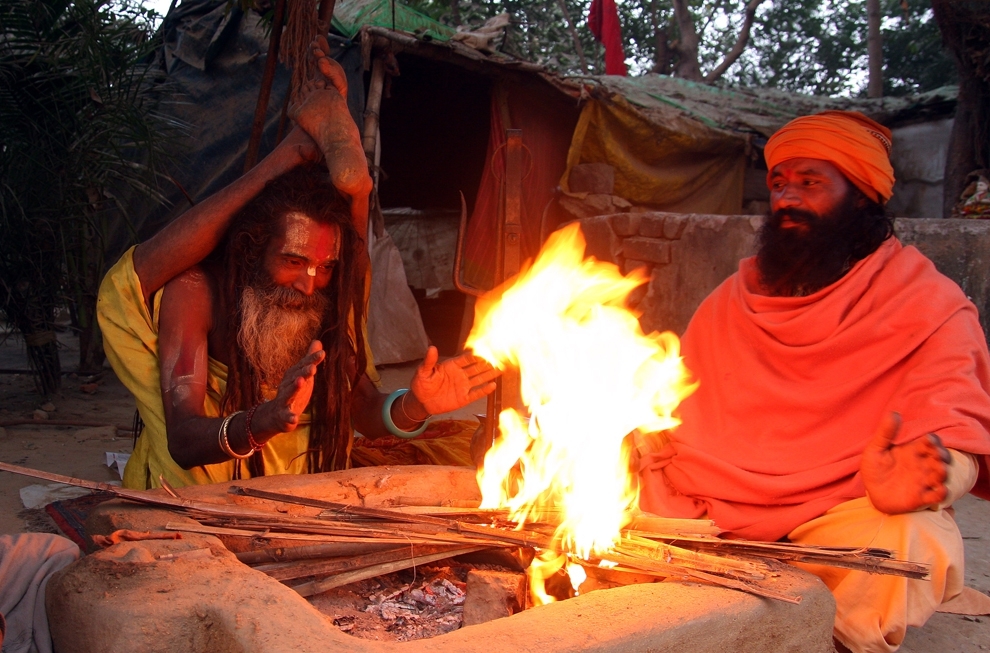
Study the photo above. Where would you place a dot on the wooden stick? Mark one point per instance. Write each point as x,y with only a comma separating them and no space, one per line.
61,422
513,538
668,525
669,570
302,537
693,559
871,560
345,508
293,570
315,587
311,551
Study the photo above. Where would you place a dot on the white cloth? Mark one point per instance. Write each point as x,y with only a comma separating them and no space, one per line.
27,561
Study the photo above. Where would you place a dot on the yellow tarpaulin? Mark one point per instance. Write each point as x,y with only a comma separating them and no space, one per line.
663,160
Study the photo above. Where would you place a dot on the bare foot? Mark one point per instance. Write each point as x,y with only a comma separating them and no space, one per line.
321,110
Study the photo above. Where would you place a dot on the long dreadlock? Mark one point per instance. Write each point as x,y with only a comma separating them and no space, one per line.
307,190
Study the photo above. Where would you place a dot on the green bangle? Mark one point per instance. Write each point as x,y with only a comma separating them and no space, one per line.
387,417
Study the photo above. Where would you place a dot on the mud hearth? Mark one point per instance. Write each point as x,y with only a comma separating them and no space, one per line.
193,594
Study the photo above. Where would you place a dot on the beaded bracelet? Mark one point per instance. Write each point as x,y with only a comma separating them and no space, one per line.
387,417
255,445
225,444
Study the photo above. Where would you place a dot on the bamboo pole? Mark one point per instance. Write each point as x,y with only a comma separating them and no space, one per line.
372,107
265,91
325,14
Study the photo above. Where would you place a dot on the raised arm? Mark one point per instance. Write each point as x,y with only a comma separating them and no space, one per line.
193,235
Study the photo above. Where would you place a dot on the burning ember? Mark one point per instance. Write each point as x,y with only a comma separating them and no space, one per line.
589,377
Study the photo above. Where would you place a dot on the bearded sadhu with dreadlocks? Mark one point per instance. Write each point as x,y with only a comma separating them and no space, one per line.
238,326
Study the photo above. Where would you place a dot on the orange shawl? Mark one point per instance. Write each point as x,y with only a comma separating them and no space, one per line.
792,388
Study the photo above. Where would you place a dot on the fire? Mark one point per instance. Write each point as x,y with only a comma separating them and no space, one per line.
589,377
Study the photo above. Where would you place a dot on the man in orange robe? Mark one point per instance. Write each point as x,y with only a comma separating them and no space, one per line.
844,393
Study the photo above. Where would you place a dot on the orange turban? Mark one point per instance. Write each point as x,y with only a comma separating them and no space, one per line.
856,145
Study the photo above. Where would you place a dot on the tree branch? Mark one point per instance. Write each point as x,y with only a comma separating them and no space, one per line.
574,35
740,45
687,65
874,48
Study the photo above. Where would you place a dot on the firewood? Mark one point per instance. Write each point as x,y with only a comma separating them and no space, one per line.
315,587
311,551
293,570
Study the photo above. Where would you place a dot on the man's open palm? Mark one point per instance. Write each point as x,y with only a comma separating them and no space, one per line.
452,384
905,477
296,389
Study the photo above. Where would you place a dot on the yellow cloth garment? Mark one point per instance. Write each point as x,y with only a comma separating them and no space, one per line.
130,338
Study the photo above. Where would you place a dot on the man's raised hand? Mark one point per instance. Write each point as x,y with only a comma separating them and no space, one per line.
452,384
294,392
905,477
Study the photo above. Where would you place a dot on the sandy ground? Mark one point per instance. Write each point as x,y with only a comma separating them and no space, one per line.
81,452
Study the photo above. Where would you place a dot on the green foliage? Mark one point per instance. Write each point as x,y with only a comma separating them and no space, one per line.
79,130
914,57
819,47
809,46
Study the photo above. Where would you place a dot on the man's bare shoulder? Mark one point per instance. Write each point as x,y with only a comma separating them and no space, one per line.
192,291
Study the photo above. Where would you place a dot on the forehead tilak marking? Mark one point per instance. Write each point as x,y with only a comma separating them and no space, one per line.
295,231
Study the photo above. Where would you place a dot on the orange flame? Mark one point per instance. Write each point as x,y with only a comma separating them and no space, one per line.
589,377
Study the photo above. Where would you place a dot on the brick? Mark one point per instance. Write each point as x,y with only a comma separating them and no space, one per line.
602,243
651,226
493,595
630,264
673,227
651,250
626,224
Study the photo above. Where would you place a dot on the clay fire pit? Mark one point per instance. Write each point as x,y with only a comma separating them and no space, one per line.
194,595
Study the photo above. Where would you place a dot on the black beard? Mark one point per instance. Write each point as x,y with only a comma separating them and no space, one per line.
801,260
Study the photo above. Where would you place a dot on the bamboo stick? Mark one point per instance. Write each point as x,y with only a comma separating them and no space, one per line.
315,587
265,90
302,537
311,551
871,560
293,570
693,559
669,570
669,525
515,538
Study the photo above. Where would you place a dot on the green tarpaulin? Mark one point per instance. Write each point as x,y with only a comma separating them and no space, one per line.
349,16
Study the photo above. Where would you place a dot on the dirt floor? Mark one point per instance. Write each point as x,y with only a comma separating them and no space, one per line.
82,452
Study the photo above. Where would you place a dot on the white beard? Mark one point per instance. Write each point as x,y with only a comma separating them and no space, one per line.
277,326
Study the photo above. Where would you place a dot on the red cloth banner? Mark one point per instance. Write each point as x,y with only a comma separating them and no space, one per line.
603,21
